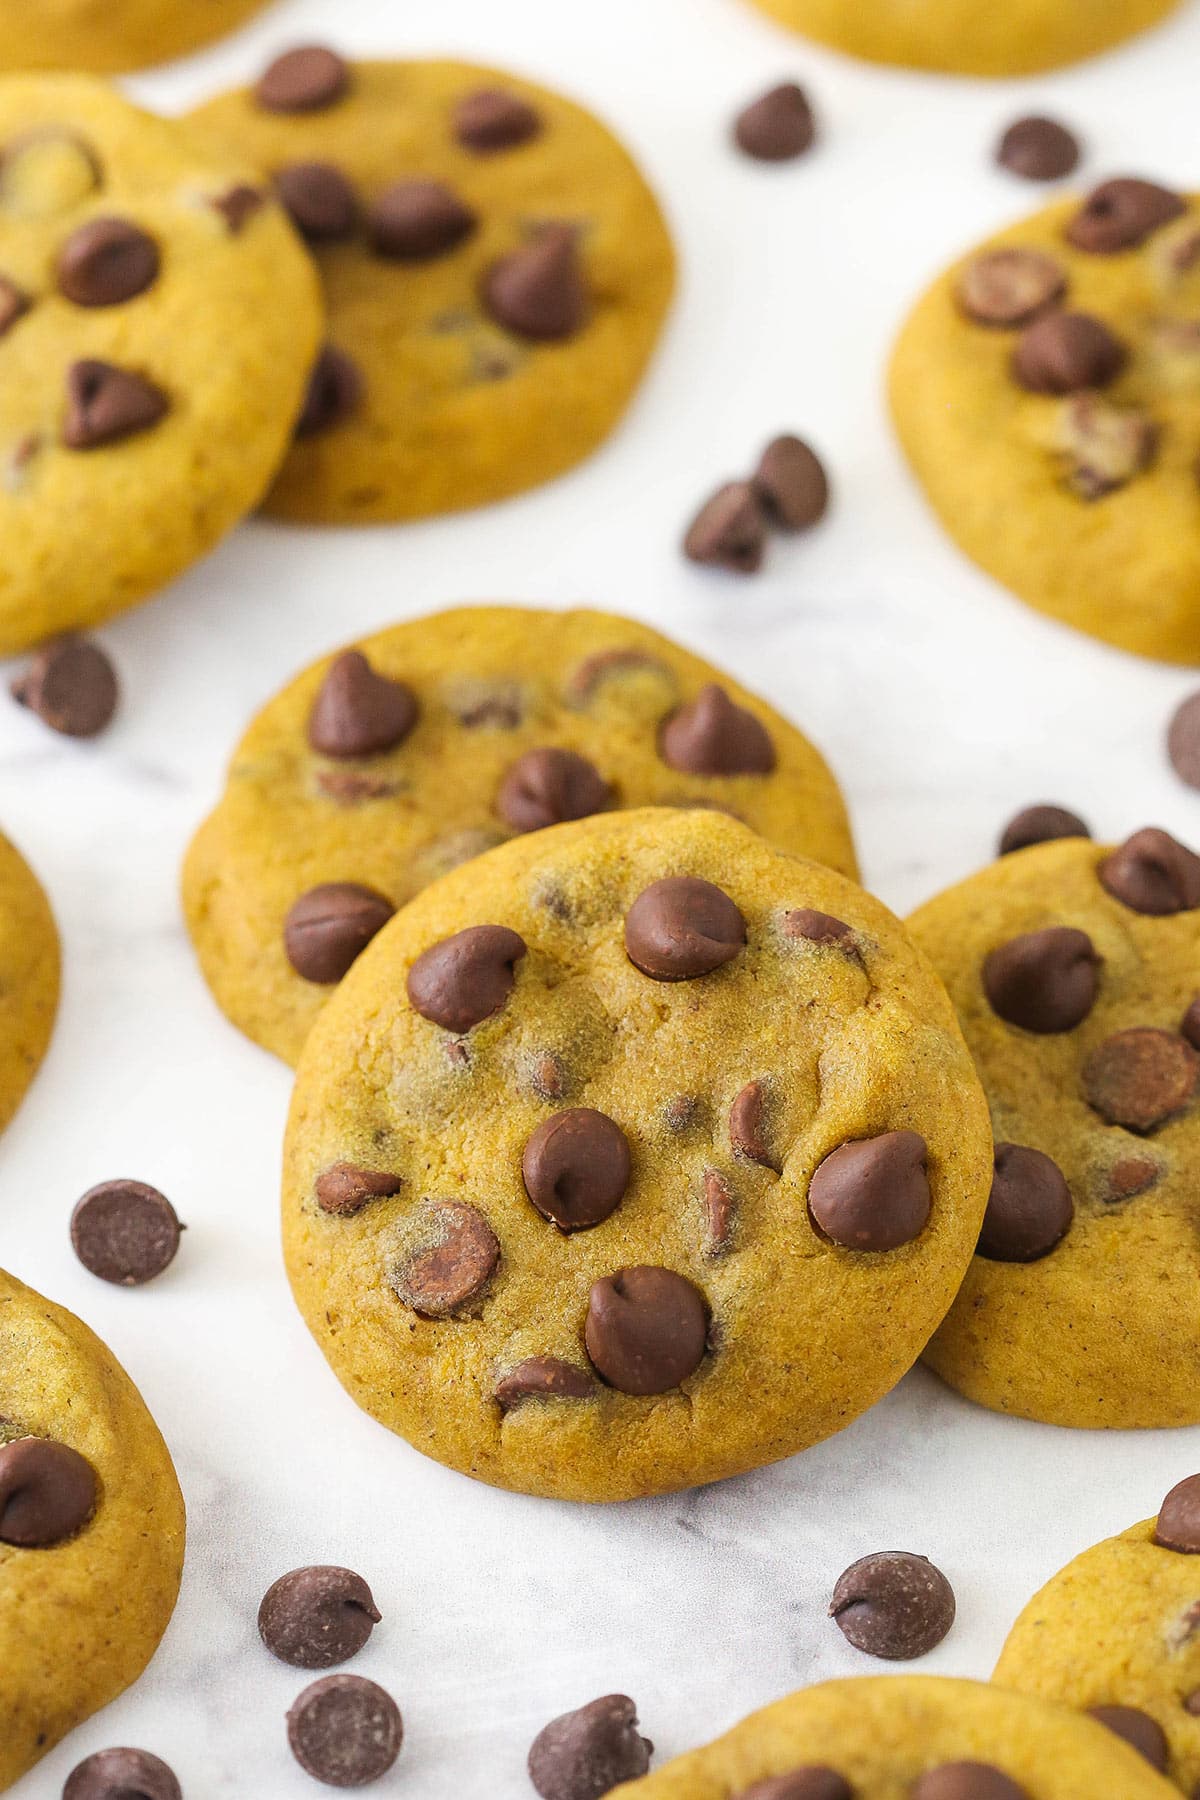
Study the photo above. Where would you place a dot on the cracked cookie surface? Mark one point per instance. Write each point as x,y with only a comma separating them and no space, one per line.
29,977
107,36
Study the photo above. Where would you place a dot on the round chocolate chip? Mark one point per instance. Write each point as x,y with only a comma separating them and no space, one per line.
1178,1525
893,1604
1044,981
416,220
335,392
647,1329
576,1168
316,1617
319,201
791,484
1121,214
1141,1078
729,531
1038,149
1136,1728
584,1754
549,786
330,926
747,1127
306,79
1009,287
344,1189
1062,352
125,1232
106,262
357,711
538,292
712,736
492,119
681,927
345,1731
122,1774
1040,825
106,404
1029,1209
543,1378
804,924
873,1193
464,979
1183,740
778,126
48,1492
967,1781
814,1782
71,685
1152,872
455,1267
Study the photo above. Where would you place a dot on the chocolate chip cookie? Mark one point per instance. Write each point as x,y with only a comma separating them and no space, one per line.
632,1155
1074,968
1047,392
120,34
29,976
497,275
158,318
385,766
91,1527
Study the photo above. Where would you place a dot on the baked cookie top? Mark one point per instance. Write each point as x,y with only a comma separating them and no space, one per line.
605,1133
1047,392
1074,969
158,318
91,1527
387,765
29,977
497,274
107,38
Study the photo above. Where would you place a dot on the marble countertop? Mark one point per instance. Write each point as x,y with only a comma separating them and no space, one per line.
942,704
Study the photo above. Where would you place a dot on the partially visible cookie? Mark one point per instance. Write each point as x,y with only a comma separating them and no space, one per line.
113,36
29,977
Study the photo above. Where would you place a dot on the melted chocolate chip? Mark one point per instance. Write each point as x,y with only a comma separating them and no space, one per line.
1038,149
872,1193
747,1127
816,1781
1040,825
720,1213
1062,352
345,1731
543,1378
1141,1078
729,531
493,119
319,200
778,126
1006,288
306,79
315,1617
791,484
967,1781
893,1605
1183,740
71,685
106,404
712,736
538,292
344,1189
416,220
238,205
647,1329
576,1168
1178,1526
358,712
464,979
335,393
125,1232
443,1276
1137,1729
122,1774
1043,981
584,1754
48,1492
330,926
549,786
1029,1209
681,928
1154,873
1121,214
803,924
106,262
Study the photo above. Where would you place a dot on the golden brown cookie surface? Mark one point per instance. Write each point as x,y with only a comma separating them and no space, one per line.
29,977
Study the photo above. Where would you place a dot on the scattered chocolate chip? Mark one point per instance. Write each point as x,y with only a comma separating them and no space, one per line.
1121,214
1062,352
319,200
1190,1024
357,711
330,926
548,786
48,1492
106,404
335,393
712,736
804,924
125,1232
1040,825
967,1781
71,685
306,79
1038,149
681,927
493,119
313,1618
1140,1078
538,292
106,262
872,1193
464,979
344,1189
893,1604
543,1378
720,1213
456,1267
416,220
1010,287
1154,873
1029,1209
13,304
729,531
791,484
647,1329
1043,981
1183,740
778,126
122,1774
747,1127
345,1731
584,1754
814,1782
1104,447
238,205
1178,1526
1136,1728
576,1168
1132,1175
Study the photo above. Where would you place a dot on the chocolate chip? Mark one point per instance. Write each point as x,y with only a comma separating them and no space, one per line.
720,1213
48,1492
416,220
492,119
814,1782
1038,149
13,304
106,262
345,1731
680,1113
1121,214
238,205
71,685
1140,1078
306,79
803,924
1190,1024
584,1754
778,126
1104,447
538,292
106,404
125,1232
729,531
594,673
313,1618
1040,825
1131,1175
122,1774
344,1189
548,786
967,1781
1136,1728
335,393
747,1132
1010,287
456,1267
1062,352
893,1604
712,736
330,926
576,1168
464,979
543,1378
319,201
1152,872
1044,981
1029,1209
1178,1526
1192,1703
872,1193
681,927
647,1329
357,711
1183,740
791,484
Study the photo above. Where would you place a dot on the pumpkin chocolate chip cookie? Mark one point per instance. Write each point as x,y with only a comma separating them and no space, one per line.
496,269
113,35
91,1528
29,977
633,1155
158,318
381,768
1074,971
1047,392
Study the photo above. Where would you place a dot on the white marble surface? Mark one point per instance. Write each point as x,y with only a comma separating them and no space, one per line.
943,705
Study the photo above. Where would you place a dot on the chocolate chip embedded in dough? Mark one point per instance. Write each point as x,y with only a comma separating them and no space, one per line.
1152,872
816,1781
14,304
315,1617
1029,1209
1121,214
539,292
418,219
967,1781
464,979
1103,447
1040,824
872,1194
1043,981
1130,1176
107,262
584,1754
358,711
444,1275
106,404
344,1188
345,1731
681,928
646,1330
1137,1729
711,735
1063,352
1010,287
319,200
747,1127
238,205
329,927
576,1167
893,1604
720,1213
543,1378
1141,1078
334,394
729,531
307,79
48,1492
549,786
493,119
804,924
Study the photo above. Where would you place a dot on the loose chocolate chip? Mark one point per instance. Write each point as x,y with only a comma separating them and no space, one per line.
747,1127
967,1781
712,736
549,786
357,711
1190,1024
1136,1728
125,1232
330,926
122,1774
803,924
576,1168
319,201
1154,873
893,1604
238,205
1029,1209
543,1378
13,304
345,1731
1038,149
1010,287
106,262
71,685
681,927
335,393
48,1492
1183,740
313,1618
1178,1526
872,1193
815,1782
1121,214
306,79
464,979
1044,981
106,404
1039,825
1141,1078
720,1213
778,126
344,1189
647,1329
538,292
455,1268
1103,446
414,221
791,484
492,119
584,1754
1062,352
729,531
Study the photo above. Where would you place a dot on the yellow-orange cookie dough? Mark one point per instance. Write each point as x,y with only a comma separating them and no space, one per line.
107,36
29,977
